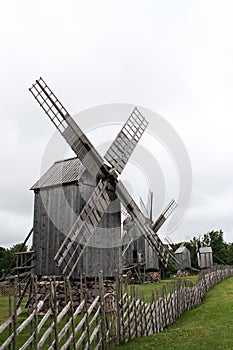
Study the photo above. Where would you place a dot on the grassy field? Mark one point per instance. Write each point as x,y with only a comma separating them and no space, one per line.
4,309
148,289
208,327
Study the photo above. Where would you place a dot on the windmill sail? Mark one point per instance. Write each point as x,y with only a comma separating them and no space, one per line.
124,144
75,242
164,216
143,207
74,136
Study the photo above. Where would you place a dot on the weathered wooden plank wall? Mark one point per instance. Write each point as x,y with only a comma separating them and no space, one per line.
55,211
141,245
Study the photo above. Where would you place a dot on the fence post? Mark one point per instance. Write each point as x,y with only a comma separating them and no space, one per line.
103,318
67,297
118,326
36,312
82,295
15,314
135,311
141,312
152,313
9,313
55,311
72,309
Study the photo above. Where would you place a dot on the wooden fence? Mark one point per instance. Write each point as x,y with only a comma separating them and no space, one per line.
108,320
6,290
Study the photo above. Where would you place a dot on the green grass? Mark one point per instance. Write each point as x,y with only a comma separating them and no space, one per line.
208,327
4,308
148,289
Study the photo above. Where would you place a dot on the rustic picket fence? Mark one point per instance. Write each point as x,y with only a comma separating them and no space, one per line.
110,319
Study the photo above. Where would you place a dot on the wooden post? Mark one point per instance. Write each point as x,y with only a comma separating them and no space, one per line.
157,310
144,316
9,313
135,311
152,313
103,318
65,286
117,310
162,308
36,313
72,310
123,339
82,288
82,297
87,324
141,313
55,312
30,297
15,314
128,312
51,307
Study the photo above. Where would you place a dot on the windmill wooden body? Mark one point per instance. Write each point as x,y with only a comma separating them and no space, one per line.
59,198
183,257
205,257
71,248
138,250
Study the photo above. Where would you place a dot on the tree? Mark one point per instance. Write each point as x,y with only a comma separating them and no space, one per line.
229,255
193,245
7,257
215,240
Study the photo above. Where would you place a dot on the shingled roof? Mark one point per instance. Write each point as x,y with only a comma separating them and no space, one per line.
203,250
181,250
61,172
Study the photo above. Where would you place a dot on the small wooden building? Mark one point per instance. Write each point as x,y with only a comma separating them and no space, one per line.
205,257
60,195
183,259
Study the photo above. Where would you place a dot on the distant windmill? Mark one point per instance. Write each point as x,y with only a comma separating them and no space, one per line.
137,244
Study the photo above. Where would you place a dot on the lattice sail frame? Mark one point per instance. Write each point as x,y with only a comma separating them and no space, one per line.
164,215
83,229
124,144
73,135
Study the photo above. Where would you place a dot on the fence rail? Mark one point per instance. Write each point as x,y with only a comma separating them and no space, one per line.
110,319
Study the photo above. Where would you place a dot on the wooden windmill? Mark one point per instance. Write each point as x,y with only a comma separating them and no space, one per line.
108,186
138,252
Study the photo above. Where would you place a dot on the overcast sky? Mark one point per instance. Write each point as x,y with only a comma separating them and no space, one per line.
172,57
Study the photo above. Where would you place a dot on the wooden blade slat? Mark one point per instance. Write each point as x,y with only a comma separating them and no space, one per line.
68,254
122,147
165,214
67,127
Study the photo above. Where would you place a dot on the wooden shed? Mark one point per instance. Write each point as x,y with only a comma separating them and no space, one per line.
205,257
60,195
183,259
